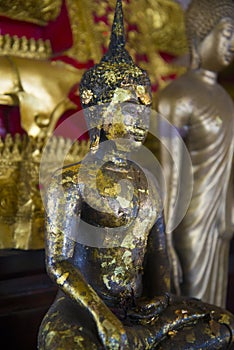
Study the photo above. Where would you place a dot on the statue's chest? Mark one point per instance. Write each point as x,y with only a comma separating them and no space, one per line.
118,209
113,198
212,116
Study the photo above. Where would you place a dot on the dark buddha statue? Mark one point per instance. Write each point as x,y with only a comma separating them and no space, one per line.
105,241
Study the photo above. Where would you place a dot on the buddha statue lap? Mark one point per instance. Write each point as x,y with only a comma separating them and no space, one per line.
105,241
203,112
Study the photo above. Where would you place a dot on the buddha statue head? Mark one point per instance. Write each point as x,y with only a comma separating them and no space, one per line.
210,31
116,92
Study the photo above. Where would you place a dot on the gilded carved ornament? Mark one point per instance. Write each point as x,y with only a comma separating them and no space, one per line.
159,28
21,208
33,11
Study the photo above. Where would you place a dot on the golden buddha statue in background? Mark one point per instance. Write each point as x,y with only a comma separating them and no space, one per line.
203,113
105,241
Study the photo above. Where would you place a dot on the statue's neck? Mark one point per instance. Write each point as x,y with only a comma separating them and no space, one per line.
207,76
119,160
117,157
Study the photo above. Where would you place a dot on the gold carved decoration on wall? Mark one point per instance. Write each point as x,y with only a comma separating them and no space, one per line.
21,208
153,26
33,11
23,47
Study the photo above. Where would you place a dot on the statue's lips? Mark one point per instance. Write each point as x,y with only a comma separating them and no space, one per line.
139,138
139,135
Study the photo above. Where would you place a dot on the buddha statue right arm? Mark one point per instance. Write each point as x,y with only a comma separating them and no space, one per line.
63,211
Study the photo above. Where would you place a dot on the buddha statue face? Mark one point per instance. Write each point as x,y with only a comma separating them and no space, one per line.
210,32
127,116
216,51
116,94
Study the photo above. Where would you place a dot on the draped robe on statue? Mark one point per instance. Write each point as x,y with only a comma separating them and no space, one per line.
202,238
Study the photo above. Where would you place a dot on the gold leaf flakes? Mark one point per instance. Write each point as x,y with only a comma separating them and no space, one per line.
172,333
87,96
62,278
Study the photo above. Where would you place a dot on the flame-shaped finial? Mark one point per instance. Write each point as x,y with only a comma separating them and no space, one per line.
117,41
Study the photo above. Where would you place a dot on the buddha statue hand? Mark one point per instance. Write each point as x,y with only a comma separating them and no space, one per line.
147,310
111,331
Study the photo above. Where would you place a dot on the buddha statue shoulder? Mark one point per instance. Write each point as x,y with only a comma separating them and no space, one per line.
105,241
203,112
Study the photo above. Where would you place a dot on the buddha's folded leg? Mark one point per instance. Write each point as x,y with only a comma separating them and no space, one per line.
68,326
200,336
196,337
185,324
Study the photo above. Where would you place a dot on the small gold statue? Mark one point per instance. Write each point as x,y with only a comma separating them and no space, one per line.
106,247
203,113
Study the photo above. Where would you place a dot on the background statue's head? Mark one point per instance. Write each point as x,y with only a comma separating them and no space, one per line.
210,31
108,86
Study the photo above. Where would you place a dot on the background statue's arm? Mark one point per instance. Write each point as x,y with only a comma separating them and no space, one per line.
63,212
173,127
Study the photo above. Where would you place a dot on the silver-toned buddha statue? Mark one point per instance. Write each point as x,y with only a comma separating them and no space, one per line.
203,113
106,247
